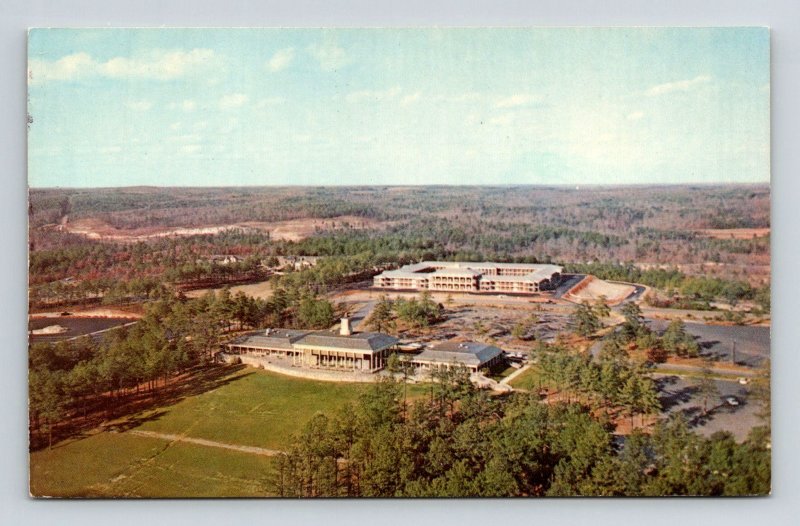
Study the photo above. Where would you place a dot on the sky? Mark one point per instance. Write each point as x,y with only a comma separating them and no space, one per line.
236,107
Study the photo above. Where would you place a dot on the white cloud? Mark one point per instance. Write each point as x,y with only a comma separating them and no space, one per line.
234,100
373,95
229,126
157,64
635,116
502,120
190,148
185,138
519,99
66,68
139,105
461,97
330,56
280,60
411,99
678,85
269,101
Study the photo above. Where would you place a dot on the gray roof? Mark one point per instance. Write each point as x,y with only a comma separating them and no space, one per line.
270,339
362,341
467,353
287,339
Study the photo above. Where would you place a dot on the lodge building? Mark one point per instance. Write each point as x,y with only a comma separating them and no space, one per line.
364,352
454,276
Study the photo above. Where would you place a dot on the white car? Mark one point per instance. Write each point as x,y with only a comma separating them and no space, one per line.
744,381
731,400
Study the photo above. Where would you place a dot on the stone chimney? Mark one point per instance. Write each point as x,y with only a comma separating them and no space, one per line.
344,327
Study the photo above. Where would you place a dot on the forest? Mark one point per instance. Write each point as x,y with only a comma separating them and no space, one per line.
651,235
456,441
459,442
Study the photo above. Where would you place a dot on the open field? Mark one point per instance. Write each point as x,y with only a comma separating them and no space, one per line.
528,380
252,408
126,465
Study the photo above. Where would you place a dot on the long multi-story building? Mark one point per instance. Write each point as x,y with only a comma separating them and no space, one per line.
487,276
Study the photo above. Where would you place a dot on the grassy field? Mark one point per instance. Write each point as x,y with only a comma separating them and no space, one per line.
499,375
255,408
251,408
528,380
126,465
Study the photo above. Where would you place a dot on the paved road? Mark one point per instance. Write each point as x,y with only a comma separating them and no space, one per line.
717,341
569,281
357,317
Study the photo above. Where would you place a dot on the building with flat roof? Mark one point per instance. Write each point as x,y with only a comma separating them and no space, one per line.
472,355
487,276
364,351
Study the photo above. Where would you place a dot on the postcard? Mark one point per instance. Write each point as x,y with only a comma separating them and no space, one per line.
423,262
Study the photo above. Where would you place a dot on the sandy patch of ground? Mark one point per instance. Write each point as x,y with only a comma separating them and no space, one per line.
591,288
290,230
734,233
261,290
90,313
50,329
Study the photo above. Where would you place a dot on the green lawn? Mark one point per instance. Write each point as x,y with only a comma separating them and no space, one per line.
125,465
528,380
256,408
499,375
253,408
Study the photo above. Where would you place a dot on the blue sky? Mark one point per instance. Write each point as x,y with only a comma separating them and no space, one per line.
201,107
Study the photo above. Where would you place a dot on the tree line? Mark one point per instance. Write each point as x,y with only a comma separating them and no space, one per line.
460,442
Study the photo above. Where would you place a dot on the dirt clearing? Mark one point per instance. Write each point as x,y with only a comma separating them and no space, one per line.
590,288
261,290
734,233
290,230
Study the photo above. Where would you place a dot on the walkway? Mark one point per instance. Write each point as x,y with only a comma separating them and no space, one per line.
210,443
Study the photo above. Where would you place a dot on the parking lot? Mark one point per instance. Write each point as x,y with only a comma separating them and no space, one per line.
681,395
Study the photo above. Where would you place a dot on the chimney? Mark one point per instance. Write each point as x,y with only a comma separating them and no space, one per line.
344,327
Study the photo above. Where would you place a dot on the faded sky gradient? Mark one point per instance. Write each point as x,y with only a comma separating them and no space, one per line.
215,107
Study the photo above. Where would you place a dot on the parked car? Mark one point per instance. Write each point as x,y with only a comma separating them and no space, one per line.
744,381
731,400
